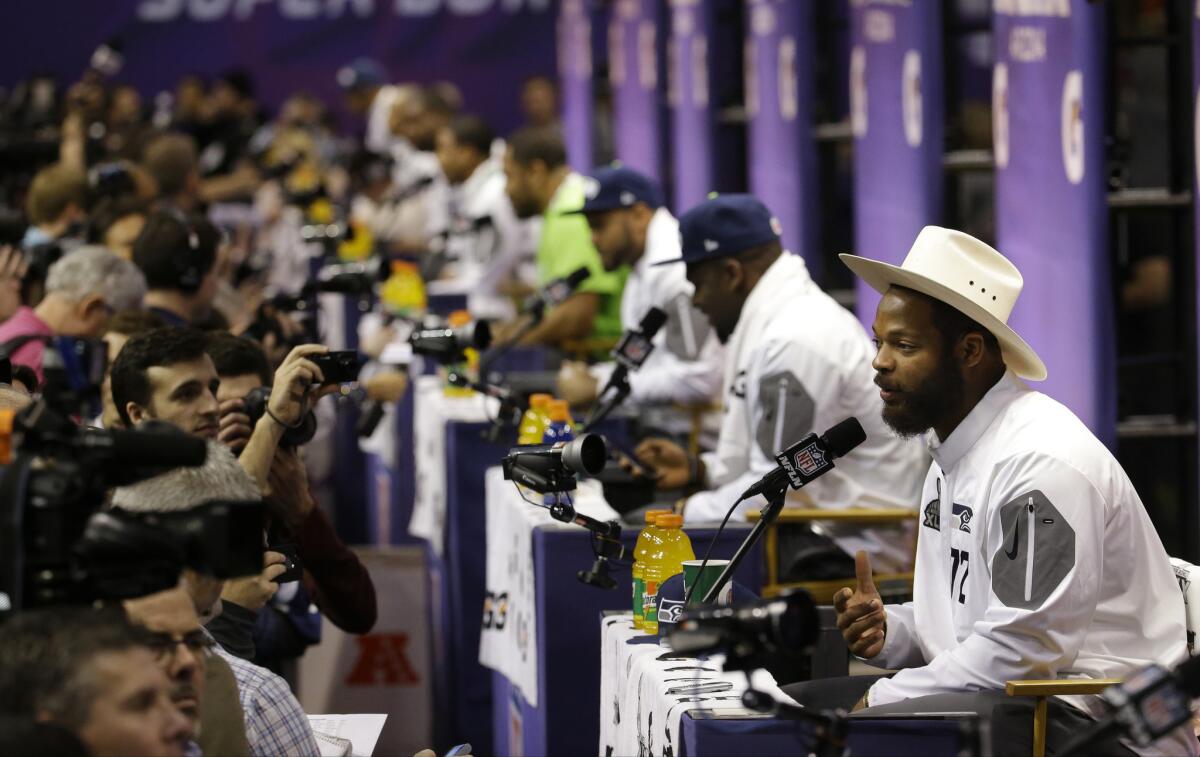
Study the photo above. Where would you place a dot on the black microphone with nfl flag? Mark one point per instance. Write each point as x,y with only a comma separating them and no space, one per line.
810,458
633,349
800,464
554,293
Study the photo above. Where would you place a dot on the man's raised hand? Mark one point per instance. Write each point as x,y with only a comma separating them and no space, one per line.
860,614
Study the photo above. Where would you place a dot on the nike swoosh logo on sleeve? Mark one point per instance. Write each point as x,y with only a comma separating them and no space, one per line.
1012,553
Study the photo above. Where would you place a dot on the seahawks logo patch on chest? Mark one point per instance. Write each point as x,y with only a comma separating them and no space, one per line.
962,517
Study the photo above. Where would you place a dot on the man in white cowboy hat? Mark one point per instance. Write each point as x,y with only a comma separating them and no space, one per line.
1035,558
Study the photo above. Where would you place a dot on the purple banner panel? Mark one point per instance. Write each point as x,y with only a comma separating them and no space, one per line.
692,120
896,113
779,94
636,40
575,81
1051,211
485,47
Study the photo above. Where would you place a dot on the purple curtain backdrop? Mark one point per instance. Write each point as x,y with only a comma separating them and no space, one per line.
779,93
689,85
1051,211
637,37
486,47
575,81
896,111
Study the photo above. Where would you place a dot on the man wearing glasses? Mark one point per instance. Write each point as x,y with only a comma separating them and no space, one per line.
202,684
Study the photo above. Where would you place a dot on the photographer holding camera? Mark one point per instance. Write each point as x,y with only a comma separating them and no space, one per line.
333,576
166,374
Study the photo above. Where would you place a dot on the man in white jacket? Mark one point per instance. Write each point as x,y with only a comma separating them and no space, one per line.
1036,558
631,227
482,242
795,362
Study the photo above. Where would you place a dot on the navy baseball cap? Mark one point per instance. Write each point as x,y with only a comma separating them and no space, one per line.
618,187
725,225
361,72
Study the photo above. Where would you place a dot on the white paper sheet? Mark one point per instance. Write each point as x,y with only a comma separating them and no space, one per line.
362,730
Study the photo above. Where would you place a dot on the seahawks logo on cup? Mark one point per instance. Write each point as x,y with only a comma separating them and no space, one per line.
1072,126
858,91
1000,114
911,98
669,611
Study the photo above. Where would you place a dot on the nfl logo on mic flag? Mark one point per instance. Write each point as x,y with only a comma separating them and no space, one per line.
805,464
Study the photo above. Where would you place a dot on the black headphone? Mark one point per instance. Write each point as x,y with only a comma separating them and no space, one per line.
188,265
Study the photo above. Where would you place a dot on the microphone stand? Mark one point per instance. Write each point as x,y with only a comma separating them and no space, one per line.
602,409
507,415
830,727
767,516
490,357
608,542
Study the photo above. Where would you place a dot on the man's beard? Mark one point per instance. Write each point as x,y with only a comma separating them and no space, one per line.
920,407
525,208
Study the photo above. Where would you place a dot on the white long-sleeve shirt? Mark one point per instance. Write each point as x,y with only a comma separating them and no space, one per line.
798,362
1036,559
685,365
484,241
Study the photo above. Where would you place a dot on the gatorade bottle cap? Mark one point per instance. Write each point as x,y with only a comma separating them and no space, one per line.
458,318
558,411
670,520
540,400
653,515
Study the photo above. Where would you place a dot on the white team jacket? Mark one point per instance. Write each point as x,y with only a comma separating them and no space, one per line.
485,240
799,362
685,365
1035,559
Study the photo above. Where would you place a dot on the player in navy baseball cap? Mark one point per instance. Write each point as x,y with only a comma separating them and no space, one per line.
631,229
795,362
728,242
619,204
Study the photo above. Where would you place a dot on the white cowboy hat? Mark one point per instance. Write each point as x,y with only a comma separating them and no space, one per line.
967,275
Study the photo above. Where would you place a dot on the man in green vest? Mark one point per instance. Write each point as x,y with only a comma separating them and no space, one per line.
541,183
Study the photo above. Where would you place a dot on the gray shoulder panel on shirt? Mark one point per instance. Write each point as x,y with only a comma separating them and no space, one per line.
687,328
782,393
1036,553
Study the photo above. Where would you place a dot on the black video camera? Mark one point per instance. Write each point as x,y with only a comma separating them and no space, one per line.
124,555
751,636
447,344
50,495
552,468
